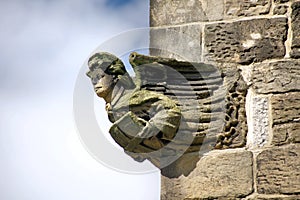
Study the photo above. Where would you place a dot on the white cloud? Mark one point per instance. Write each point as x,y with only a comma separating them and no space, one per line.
52,38
43,45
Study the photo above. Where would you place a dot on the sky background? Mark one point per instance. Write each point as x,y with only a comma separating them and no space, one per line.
43,46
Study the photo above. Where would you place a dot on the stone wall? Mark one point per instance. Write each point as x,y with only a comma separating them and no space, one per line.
262,38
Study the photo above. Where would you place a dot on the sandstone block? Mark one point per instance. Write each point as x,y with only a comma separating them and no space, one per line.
259,123
170,12
278,170
286,108
286,117
295,30
246,41
276,77
277,197
182,43
246,8
223,174
281,1
286,133
280,9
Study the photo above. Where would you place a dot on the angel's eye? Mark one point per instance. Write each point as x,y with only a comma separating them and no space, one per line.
95,80
99,76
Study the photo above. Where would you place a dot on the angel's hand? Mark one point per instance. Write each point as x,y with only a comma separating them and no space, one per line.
146,132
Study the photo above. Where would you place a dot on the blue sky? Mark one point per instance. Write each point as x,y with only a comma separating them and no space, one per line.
118,3
43,46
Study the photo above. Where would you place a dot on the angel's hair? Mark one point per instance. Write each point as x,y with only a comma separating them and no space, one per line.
109,63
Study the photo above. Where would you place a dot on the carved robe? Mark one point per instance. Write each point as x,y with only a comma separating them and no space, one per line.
143,121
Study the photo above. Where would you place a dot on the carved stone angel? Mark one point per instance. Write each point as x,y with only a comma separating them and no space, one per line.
166,111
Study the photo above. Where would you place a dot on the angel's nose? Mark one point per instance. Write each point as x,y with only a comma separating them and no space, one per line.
98,85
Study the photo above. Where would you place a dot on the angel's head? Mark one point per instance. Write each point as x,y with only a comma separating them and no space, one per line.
105,70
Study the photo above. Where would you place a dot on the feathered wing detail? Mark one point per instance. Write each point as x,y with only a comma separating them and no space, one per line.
210,102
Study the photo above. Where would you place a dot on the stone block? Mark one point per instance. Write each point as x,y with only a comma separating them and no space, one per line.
276,77
286,133
295,53
286,118
281,1
171,12
258,134
234,8
285,108
223,174
181,42
276,197
246,41
280,9
278,170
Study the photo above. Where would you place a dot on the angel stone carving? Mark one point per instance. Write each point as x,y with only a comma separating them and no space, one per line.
168,108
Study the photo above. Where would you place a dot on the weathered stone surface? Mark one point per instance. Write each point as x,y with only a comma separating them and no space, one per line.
226,174
173,42
276,197
276,77
286,117
170,12
286,108
278,170
280,9
235,126
246,8
258,134
281,1
295,30
246,41
286,133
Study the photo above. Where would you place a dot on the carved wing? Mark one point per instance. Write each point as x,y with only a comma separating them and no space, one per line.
211,100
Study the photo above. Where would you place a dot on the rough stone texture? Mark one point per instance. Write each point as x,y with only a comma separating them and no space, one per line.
226,174
276,86
295,30
259,124
281,1
172,42
280,9
276,197
286,133
278,170
246,41
170,12
286,108
246,8
235,127
276,77
286,117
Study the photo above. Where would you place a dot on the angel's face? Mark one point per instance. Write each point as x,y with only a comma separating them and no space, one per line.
103,83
